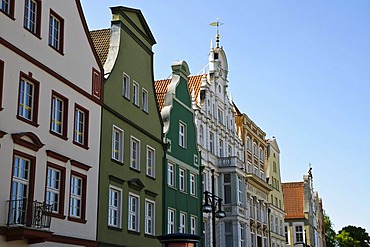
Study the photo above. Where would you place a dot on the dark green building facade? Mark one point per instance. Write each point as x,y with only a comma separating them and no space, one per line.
131,159
182,179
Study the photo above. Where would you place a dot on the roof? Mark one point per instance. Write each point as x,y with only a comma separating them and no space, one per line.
101,41
194,83
293,200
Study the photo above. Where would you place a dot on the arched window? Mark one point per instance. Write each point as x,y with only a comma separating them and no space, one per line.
249,146
255,149
262,155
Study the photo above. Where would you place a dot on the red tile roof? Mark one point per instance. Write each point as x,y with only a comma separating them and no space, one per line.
194,83
293,200
101,41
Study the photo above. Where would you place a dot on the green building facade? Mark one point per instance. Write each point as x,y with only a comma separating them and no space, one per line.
182,179
131,158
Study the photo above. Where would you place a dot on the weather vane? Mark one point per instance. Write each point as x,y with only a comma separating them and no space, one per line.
217,24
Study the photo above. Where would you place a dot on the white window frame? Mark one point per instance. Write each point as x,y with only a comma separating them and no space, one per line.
117,144
171,174
115,206
212,142
79,129
57,114
135,153
55,26
26,94
182,175
297,224
182,222
126,86
193,224
149,217
221,148
287,234
150,161
135,93
240,190
242,235
30,10
182,134
171,220
193,184
75,197
144,99
53,184
133,212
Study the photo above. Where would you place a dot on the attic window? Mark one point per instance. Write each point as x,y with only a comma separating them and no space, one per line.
202,95
215,55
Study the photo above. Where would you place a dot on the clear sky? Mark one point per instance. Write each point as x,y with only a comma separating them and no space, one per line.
299,69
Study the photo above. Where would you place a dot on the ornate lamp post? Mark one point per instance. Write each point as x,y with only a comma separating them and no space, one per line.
211,201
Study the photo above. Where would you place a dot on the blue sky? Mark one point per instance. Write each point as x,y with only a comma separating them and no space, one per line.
299,69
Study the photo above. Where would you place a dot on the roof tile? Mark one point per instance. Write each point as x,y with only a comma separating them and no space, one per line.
293,200
101,40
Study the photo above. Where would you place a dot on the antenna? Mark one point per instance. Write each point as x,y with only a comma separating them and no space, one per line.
217,24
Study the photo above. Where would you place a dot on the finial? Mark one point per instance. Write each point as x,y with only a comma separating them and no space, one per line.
211,44
217,24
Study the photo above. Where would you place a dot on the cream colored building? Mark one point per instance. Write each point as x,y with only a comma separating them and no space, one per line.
50,111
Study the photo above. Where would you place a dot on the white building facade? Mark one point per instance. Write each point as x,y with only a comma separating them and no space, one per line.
50,117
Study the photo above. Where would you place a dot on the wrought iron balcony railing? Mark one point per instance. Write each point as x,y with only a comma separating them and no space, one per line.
232,161
27,213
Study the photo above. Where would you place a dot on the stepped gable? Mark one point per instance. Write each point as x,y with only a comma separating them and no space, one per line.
101,41
293,200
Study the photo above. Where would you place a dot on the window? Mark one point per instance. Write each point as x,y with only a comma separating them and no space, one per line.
28,99
55,183
59,115
251,208
221,148
171,221
249,146
133,212
229,234
193,225
274,166
81,128
192,184
77,196
182,226
117,144
250,167
182,135
149,217
171,175
220,116
32,16
135,96
150,161
1,82
276,224
56,31
201,134
240,192
272,223
258,207
7,7
182,179
253,240
145,100
211,142
227,188
96,83
126,86
114,211
242,235
287,234
135,154
298,233
262,155
255,149
281,227
229,151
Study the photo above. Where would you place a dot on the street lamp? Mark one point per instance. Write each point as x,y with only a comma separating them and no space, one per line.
211,201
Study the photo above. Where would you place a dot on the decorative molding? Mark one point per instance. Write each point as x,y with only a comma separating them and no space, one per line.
57,156
35,145
136,184
80,165
150,193
2,133
116,179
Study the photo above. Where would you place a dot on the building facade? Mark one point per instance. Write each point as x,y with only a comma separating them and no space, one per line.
182,174
50,109
276,197
131,175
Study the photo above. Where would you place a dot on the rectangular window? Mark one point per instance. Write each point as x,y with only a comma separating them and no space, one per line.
193,225
240,192
59,115
96,83
182,135
77,196
242,235
220,116
117,144
182,179
171,221
276,224
133,212
298,234
56,31
150,161
211,142
114,211
1,82
182,226
192,184
135,95
227,188
251,208
221,148
135,153
28,99
81,127
32,16
253,240
55,183
7,7
145,100
287,234
149,217
171,175
229,234
126,86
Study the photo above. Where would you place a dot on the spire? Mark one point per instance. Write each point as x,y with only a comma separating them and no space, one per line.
211,44
217,24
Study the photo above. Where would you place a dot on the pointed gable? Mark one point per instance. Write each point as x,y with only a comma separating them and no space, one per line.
293,200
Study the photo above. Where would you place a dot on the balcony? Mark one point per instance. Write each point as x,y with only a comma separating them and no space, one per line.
232,161
28,220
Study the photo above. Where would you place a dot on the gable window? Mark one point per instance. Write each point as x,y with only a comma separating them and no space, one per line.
32,16
55,183
145,100
1,82
192,185
126,86
117,144
149,217
171,175
7,7
182,179
56,31
28,99
81,128
171,221
114,211
182,135
135,95
59,115
77,197
150,161
133,212
182,227
135,153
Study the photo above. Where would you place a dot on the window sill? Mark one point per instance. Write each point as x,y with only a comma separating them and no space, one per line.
134,169
81,145
58,135
146,112
115,228
59,51
151,177
37,35
28,121
56,215
133,232
149,235
117,162
7,14
78,220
